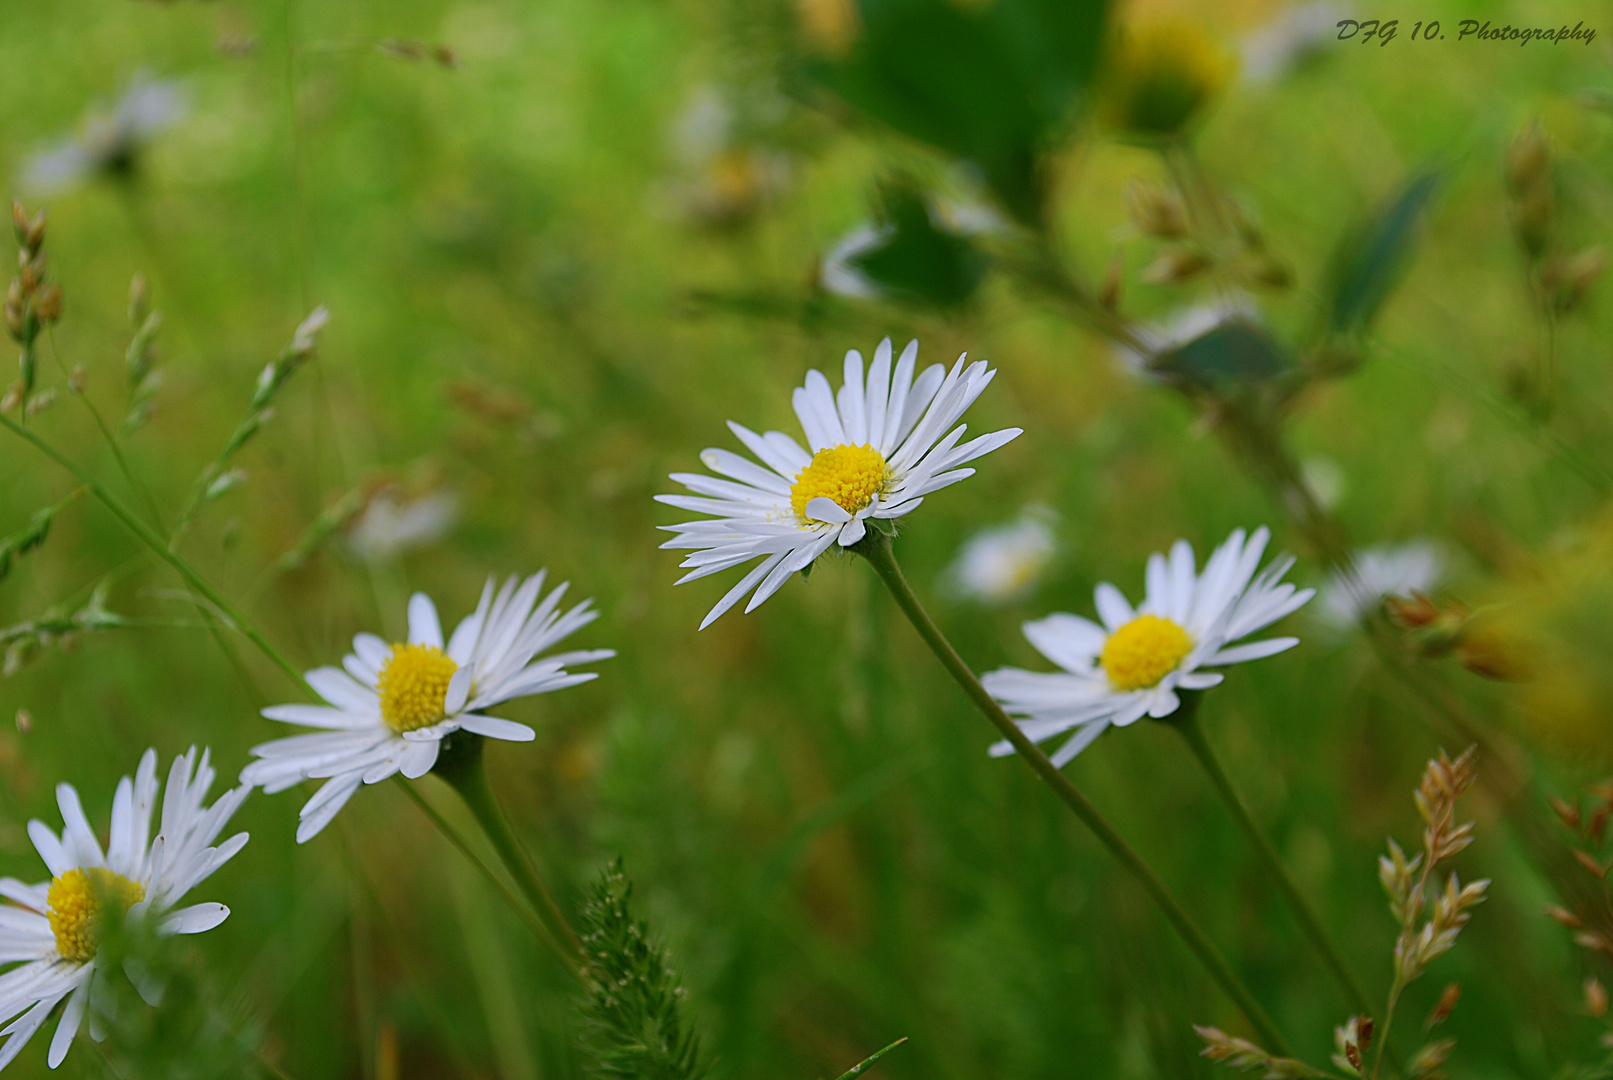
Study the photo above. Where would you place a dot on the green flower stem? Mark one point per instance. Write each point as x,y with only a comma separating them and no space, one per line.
1186,721
876,548
146,536
461,767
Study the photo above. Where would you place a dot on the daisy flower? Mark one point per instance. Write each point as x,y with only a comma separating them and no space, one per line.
1134,664
1386,570
394,523
877,448
393,705
108,142
1183,328
1003,563
54,934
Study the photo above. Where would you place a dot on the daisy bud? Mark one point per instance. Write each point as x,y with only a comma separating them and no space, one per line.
25,721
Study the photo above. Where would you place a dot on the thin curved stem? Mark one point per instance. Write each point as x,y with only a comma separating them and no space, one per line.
462,768
1186,721
876,548
144,533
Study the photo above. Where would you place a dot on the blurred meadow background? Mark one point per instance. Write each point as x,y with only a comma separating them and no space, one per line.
561,242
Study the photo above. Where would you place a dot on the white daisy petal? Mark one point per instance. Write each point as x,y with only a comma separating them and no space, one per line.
196,919
424,627
1071,642
319,812
494,728
1255,650
1112,607
822,509
418,759
877,395
1082,739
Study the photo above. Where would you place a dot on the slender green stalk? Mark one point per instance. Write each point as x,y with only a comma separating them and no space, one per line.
146,536
462,768
1186,721
106,434
876,548
863,1065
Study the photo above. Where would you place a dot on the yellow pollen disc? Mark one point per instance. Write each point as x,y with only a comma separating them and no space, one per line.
1144,651
413,686
75,905
850,476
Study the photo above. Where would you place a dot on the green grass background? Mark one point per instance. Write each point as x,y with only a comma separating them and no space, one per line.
802,797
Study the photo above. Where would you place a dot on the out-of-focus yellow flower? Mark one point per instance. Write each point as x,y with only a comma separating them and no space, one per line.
1553,624
829,26
1160,76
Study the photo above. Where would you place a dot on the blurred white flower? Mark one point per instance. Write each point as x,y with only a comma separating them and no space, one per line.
1385,570
1325,479
1184,326
393,523
1298,33
726,168
838,273
1003,563
394,704
107,142
1133,665
877,449
56,931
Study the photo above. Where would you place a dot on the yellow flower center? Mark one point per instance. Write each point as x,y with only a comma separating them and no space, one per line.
414,686
850,476
76,903
1144,651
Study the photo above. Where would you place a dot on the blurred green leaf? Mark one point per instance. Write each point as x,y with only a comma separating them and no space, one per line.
1236,353
1368,260
992,84
918,257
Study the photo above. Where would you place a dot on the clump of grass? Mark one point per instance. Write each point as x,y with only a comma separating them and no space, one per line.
636,1027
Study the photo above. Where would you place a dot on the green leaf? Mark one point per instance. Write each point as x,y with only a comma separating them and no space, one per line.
1235,354
992,84
918,259
1369,258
